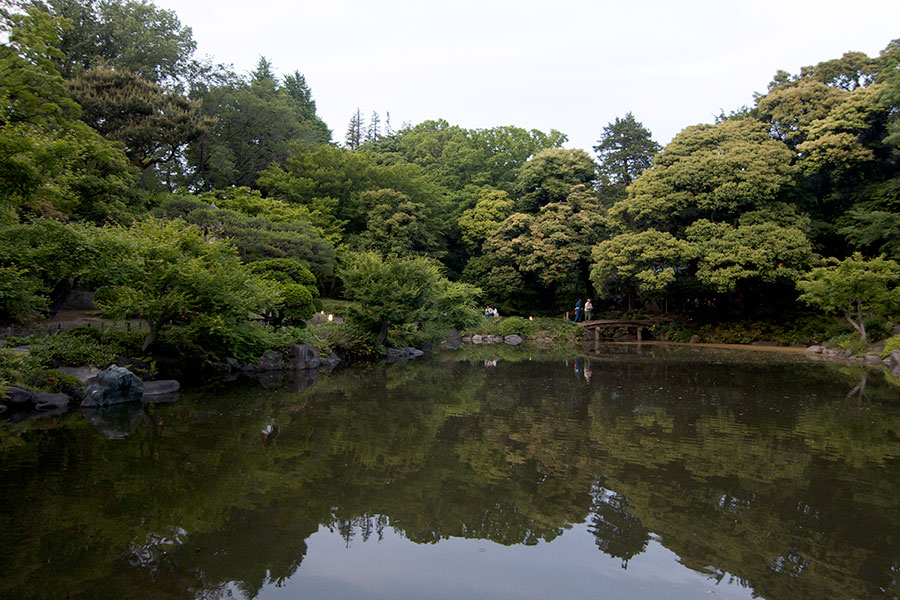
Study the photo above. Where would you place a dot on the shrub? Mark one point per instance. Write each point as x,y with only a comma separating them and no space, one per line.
891,344
517,325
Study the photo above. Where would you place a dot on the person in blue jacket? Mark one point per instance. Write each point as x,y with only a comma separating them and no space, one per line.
578,311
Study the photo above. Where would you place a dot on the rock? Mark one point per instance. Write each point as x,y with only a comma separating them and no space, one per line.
3,409
467,339
477,339
398,354
894,357
160,387
113,385
896,371
302,357
47,402
17,397
80,300
453,341
815,349
829,352
233,363
695,339
115,422
269,361
513,340
872,358
330,361
82,374
846,354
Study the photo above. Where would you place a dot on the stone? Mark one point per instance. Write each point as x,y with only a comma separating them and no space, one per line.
695,339
398,354
816,349
82,374
47,402
467,339
477,339
160,387
872,358
302,357
894,357
233,363
896,371
17,397
112,385
453,340
269,361
513,340
846,354
829,352
330,361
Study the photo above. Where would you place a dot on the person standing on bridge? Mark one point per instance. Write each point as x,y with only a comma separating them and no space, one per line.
578,311
588,307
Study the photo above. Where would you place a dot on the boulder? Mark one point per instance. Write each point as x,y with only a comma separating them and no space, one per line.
453,341
113,385
302,357
17,397
48,402
872,358
398,354
466,339
82,374
695,339
477,339
160,387
816,349
233,363
894,357
513,340
330,361
269,361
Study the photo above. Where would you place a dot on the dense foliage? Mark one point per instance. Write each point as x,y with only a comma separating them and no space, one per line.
724,220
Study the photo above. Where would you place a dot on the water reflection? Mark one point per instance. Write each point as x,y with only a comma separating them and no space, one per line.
762,478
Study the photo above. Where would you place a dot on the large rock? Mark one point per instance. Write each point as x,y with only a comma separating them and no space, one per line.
477,339
894,357
513,340
113,385
815,349
398,354
330,361
302,357
454,340
270,361
17,397
50,402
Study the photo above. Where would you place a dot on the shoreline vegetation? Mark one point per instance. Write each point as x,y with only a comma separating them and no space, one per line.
216,219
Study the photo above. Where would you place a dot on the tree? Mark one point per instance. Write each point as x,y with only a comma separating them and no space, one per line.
398,226
373,131
154,125
404,291
550,176
645,263
478,223
625,150
857,287
354,137
708,171
133,36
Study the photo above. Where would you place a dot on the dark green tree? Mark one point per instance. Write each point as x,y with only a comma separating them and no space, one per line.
624,150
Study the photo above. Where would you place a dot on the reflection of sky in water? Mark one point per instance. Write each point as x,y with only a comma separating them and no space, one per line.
570,567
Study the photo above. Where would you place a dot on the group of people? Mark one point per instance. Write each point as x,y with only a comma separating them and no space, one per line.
491,312
583,313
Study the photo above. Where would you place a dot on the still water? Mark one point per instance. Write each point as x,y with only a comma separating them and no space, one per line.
630,472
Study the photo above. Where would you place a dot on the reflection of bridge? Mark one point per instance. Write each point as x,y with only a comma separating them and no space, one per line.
598,324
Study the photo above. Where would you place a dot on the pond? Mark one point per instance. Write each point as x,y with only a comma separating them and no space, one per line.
634,471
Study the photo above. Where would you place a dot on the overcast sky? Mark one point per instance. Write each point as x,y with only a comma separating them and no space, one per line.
567,65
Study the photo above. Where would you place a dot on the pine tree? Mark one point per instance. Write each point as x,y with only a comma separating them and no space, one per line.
374,130
355,131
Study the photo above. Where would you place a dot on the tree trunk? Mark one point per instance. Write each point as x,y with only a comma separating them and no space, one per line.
383,333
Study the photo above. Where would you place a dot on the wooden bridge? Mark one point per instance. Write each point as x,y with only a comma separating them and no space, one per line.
597,325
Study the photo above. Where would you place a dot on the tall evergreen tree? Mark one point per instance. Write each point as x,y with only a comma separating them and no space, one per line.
354,136
625,150
373,132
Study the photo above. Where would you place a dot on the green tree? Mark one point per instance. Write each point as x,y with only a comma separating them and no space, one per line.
645,263
398,226
856,287
412,292
478,223
624,150
154,125
354,137
550,176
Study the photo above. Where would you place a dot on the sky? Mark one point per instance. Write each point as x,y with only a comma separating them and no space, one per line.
569,65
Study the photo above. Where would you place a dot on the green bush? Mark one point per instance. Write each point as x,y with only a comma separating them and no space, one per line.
297,304
891,344
517,325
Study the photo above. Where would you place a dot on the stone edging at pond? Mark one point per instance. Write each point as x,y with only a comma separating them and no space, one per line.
892,361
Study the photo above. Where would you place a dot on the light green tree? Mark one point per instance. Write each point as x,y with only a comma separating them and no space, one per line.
478,223
550,176
856,287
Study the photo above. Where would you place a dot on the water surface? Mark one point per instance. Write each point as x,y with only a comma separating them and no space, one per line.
632,472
